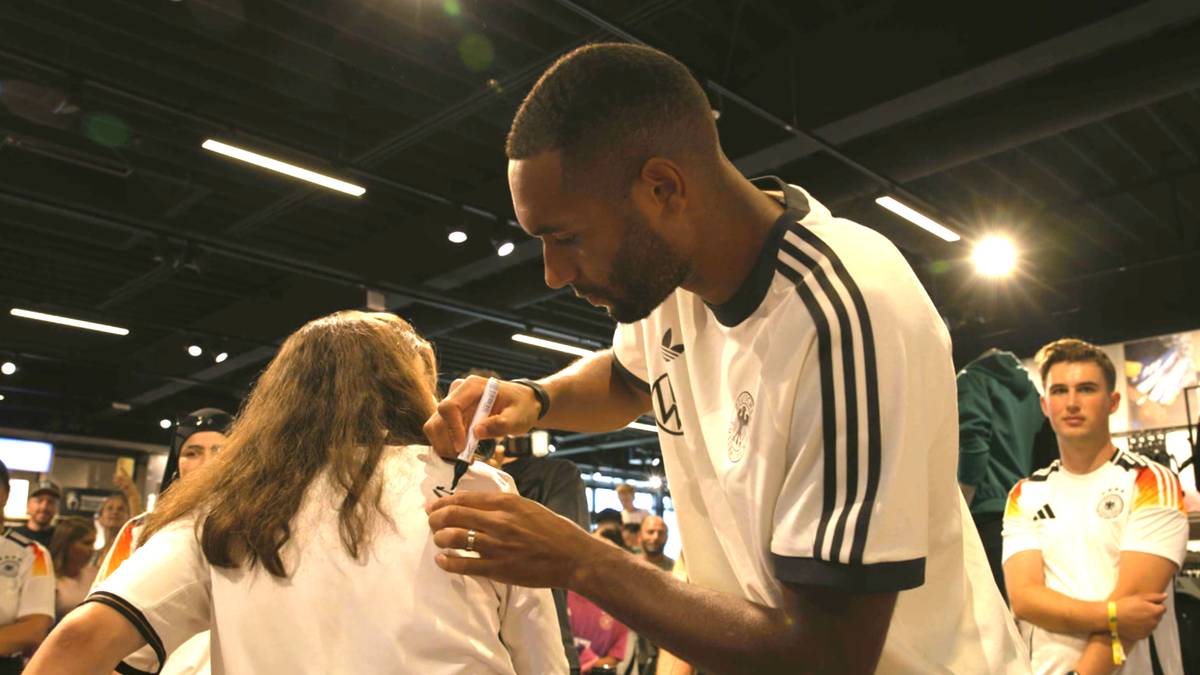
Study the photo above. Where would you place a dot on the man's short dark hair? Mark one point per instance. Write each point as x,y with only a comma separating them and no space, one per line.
610,107
1071,350
608,516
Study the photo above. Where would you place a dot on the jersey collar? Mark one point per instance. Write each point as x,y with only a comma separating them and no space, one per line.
752,291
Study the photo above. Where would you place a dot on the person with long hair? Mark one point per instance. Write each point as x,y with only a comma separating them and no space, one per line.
73,551
305,546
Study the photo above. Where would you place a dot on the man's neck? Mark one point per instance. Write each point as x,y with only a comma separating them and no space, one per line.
737,219
36,527
660,556
1084,457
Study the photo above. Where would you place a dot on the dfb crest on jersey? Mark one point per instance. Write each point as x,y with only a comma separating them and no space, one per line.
1111,504
739,426
9,566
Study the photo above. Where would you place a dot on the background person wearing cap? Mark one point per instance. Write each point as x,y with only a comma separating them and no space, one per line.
42,508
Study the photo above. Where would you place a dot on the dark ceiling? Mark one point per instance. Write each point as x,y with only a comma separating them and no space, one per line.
1072,126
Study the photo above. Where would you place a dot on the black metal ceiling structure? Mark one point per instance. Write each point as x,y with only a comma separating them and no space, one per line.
1072,127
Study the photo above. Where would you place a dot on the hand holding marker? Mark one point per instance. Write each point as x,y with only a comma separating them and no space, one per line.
481,413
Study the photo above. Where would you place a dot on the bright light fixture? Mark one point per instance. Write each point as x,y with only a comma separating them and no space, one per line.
1,397
504,248
8,368
194,350
220,358
917,218
551,344
164,423
655,482
68,321
641,426
283,167
994,256
457,235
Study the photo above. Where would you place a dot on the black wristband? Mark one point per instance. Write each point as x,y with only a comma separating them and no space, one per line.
539,392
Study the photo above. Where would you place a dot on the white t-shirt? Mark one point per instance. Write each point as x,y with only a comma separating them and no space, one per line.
809,430
26,579
395,612
1081,524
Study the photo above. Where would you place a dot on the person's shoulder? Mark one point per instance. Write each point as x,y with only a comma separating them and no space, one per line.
16,537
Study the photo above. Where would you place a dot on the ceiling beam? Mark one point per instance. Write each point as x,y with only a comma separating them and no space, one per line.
1132,24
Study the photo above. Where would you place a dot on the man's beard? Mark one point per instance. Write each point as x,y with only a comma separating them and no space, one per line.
645,271
652,549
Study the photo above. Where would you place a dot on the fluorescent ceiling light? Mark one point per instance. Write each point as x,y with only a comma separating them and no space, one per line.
283,167
67,321
551,344
641,426
919,219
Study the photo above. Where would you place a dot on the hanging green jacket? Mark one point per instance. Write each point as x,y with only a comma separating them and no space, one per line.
998,418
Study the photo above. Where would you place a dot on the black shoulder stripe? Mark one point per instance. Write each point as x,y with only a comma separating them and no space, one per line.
135,617
857,405
1043,474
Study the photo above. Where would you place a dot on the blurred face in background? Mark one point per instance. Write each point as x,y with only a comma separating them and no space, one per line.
198,449
113,513
631,533
625,494
654,535
81,551
42,507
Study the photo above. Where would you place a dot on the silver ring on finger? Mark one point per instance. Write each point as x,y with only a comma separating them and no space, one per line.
470,540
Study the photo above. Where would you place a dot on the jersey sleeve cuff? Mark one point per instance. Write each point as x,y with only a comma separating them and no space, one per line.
874,578
139,621
629,376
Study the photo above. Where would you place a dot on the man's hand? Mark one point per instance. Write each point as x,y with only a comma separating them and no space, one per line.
514,413
1138,615
519,541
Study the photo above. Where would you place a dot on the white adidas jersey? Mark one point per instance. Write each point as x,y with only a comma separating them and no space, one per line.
809,429
395,612
1081,524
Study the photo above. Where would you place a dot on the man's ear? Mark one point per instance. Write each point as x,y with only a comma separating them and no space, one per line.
661,187
1116,402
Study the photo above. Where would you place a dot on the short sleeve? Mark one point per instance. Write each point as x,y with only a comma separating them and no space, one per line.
629,355
162,589
1157,522
37,592
873,415
1020,530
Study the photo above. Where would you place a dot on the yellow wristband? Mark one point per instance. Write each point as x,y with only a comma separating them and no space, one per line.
1118,649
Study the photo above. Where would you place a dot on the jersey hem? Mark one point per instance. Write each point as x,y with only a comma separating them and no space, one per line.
899,575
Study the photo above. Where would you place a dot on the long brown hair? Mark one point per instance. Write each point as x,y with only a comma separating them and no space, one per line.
67,531
340,389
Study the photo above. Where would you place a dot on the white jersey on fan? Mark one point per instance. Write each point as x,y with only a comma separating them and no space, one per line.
810,433
1081,523
397,611
26,579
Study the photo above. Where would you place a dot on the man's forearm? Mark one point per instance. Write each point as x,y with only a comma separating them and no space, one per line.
589,396
1059,613
717,633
